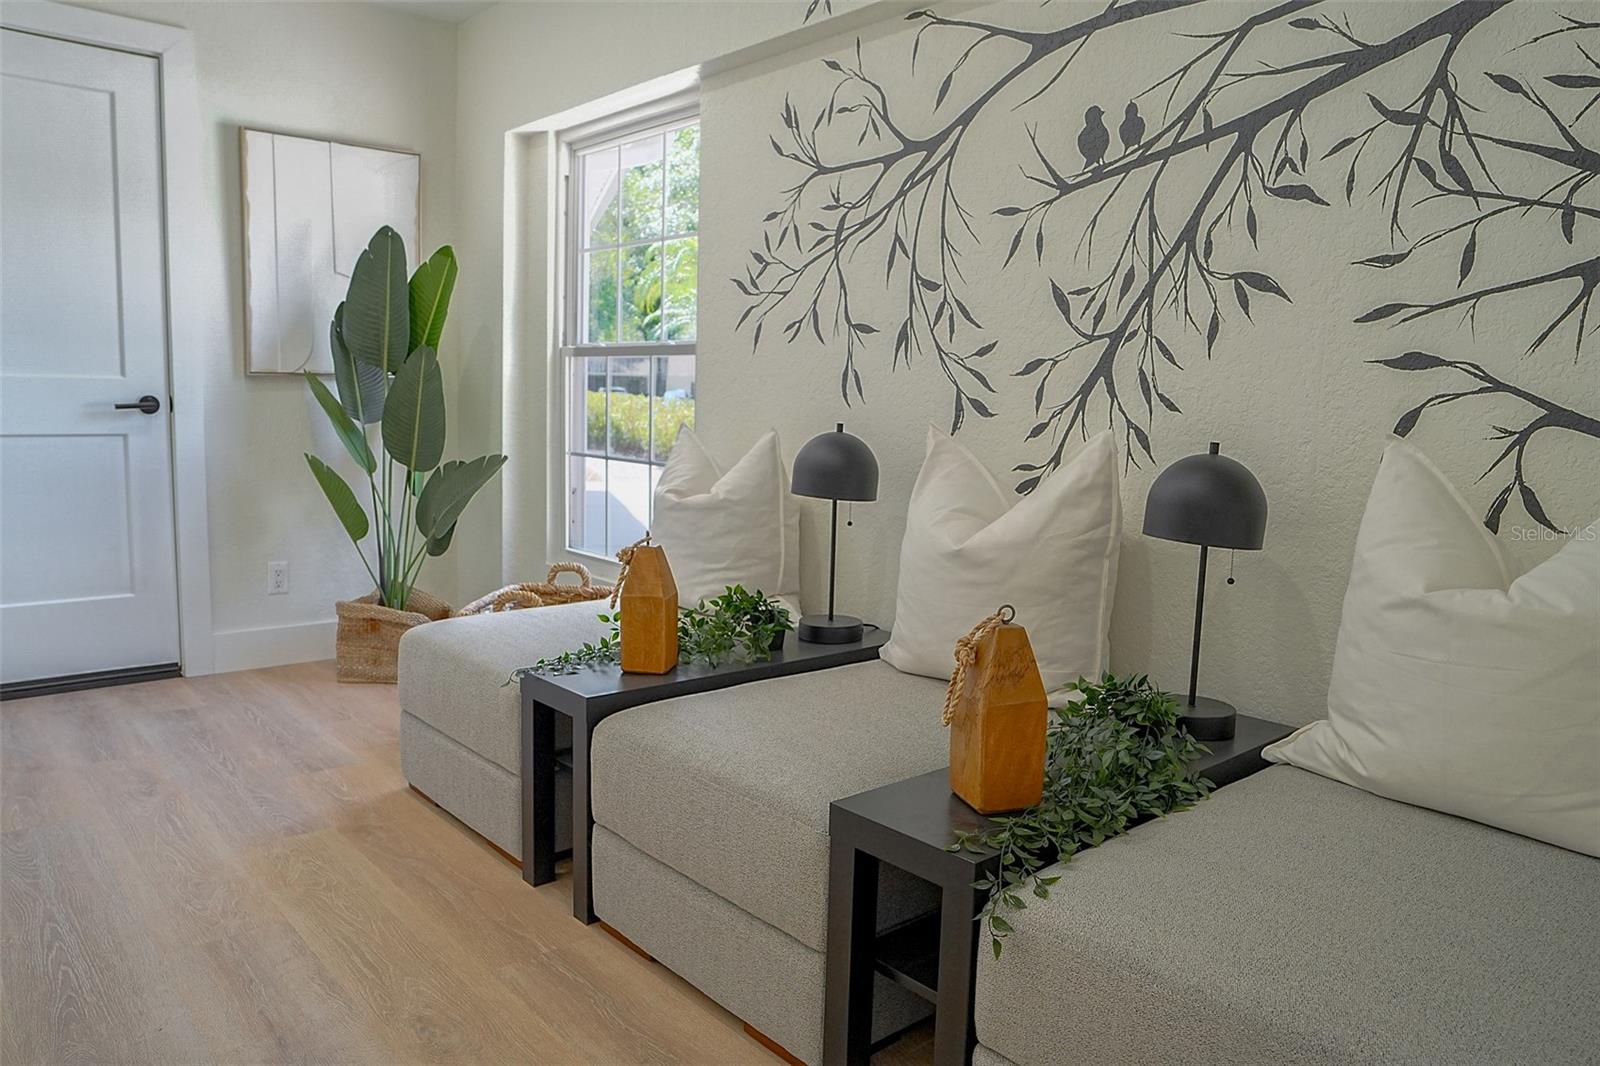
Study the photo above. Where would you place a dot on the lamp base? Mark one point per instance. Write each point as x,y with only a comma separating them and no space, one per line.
840,629
1206,718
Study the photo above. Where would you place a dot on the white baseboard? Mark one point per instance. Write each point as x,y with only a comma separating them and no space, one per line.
250,649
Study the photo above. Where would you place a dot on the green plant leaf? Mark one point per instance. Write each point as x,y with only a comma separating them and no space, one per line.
341,497
349,431
361,385
437,546
431,287
413,416
377,316
449,490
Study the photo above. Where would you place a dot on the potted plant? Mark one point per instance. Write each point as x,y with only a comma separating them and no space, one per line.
757,620
768,616
385,342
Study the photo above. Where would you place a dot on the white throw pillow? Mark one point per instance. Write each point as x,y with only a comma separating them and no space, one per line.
971,546
1455,687
738,528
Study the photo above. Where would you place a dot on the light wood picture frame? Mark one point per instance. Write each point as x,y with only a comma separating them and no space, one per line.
310,206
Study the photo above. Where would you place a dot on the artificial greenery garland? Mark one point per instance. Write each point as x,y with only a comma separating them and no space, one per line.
737,623
1113,758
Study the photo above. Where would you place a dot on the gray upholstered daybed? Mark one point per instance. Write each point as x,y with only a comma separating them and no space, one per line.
711,834
1291,919
1287,919
710,844
460,724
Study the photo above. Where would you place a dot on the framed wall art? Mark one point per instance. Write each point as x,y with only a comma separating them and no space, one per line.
310,206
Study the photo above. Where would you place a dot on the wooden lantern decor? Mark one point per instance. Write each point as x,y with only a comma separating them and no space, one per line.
649,624
996,711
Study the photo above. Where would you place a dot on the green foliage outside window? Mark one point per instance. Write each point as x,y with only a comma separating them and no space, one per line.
657,304
630,421
644,316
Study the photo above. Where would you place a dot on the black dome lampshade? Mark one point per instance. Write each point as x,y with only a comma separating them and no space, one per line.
1210,500
1215,502
834,466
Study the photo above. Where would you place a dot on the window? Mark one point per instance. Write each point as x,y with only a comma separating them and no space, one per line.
631,305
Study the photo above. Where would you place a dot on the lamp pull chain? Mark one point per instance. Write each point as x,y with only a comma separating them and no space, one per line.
850,513
1231,554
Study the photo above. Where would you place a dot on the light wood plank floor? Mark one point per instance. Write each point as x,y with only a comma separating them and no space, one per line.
231,869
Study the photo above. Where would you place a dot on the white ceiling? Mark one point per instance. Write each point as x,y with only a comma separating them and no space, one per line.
439,10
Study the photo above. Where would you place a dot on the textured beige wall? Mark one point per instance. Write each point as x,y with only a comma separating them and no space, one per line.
1289,394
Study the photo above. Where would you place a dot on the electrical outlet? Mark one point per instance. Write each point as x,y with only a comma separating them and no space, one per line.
277,579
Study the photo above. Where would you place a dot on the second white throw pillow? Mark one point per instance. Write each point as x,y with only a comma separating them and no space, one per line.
971,546
1454,686
737,528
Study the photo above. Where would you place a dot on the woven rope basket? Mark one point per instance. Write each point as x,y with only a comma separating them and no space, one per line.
367,648
546,593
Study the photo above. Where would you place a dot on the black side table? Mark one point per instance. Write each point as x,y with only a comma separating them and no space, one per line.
910,824
594,694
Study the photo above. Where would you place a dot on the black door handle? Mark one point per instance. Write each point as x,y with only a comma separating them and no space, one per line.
147,405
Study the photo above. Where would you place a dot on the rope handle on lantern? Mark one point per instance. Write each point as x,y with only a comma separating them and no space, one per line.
625,557
967,653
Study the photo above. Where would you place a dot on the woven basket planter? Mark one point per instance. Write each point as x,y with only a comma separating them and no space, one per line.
368,645
546,593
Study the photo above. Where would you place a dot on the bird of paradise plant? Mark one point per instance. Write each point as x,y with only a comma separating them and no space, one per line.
385,341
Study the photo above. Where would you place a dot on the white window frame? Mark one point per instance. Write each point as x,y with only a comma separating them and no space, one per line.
679,110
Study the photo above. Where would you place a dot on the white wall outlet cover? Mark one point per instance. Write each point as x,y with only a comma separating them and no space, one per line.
277,579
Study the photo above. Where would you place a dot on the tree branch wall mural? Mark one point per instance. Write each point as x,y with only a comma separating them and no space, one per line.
1160,215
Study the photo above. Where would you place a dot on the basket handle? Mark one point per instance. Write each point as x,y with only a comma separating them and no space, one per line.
582,572
515,597
512,597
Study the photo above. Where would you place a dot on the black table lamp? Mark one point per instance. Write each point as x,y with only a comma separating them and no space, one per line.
1215,502
834,466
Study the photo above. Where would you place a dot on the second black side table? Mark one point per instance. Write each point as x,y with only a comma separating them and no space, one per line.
909,824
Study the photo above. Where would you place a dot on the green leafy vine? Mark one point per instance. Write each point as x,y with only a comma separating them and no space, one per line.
1115,755
608,649
737,624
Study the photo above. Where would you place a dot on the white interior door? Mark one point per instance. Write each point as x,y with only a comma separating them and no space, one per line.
88,577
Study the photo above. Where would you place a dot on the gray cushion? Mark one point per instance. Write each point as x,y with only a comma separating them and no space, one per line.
731,788
982,1056
762,976
452,673
1293,919
485,796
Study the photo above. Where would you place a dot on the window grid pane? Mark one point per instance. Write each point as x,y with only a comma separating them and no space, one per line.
636,279
600,199
661,258
621,433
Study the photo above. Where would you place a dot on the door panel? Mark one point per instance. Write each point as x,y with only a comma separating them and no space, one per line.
60,194
87,573
49,552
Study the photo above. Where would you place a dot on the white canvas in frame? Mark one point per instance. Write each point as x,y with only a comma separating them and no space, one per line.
310,207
